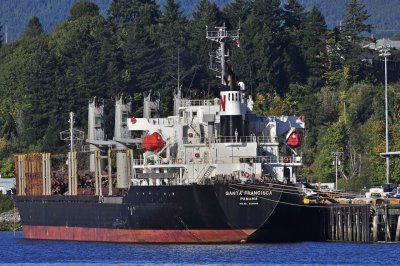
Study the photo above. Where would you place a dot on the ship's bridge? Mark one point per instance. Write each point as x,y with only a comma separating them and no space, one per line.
232,139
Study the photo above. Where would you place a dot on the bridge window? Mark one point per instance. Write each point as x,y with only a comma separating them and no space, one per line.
97,121
124,118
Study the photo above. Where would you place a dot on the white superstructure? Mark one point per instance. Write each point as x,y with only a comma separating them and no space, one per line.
194,151
216,139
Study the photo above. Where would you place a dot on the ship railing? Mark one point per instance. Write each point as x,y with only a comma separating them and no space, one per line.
162,121
159,161
230,139
263,139
292,159
271,159
223,34
98,135
251,159
126,134
187,103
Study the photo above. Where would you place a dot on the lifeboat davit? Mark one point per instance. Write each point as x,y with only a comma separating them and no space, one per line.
294,140
153,142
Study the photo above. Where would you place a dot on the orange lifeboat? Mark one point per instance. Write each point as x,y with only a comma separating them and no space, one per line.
294,140
153,142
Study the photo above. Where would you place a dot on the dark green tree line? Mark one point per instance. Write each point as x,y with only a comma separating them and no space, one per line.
289,60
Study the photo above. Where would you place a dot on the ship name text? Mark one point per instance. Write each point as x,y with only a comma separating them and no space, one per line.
248,193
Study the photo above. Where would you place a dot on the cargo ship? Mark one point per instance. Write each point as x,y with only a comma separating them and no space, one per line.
213,172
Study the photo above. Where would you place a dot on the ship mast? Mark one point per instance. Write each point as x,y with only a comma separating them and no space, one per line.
72,134
218,57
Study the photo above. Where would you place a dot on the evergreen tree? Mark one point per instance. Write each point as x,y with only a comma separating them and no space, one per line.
83,8
141,52
122,11
83,66
354,25
142,60
16,64
354,20
42,121
207,16
294,16
1,35
237,12
172,36
33,28
314,47
262,42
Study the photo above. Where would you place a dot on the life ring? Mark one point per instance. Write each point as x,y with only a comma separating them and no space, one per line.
246,174
179,160
286,159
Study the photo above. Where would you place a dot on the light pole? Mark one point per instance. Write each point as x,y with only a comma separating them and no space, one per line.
384,51
336,154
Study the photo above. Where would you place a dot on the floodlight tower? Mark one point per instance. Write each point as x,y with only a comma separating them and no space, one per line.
384,51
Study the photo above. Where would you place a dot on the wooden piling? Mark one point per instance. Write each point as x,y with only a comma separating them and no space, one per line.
349,225
397,237
375,227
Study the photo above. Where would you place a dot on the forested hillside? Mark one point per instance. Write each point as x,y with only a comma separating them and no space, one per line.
385,14
291,62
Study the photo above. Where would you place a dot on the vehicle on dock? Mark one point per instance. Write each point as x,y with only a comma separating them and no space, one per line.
376,193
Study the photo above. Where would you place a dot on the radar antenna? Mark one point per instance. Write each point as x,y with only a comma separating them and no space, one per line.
217,57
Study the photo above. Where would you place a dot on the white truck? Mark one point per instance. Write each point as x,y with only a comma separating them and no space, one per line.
375,192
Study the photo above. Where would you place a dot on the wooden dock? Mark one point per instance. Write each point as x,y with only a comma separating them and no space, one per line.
360,222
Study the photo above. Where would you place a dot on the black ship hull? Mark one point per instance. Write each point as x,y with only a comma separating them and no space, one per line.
219,213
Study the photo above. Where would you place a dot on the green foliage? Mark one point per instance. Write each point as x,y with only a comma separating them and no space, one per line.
123,11
15,65
344,66
34,28
172,29
287,57
314,46
396,36
1,35
6,203
237,12
273,104
264,47
83,8
141,51
7,167
207,15
333,140
52,12
354,20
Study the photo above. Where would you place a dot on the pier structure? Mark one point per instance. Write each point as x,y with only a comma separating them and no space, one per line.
348,223
358,222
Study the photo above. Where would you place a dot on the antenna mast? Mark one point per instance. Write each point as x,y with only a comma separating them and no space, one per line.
221,36
72,134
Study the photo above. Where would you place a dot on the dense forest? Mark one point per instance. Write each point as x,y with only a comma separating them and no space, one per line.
291,62
16,14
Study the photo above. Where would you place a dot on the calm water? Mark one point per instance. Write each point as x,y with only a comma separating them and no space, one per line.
17,251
